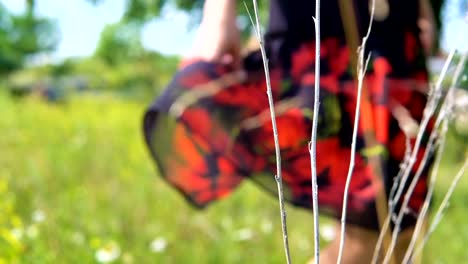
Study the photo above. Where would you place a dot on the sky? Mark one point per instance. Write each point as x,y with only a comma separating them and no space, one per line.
80,24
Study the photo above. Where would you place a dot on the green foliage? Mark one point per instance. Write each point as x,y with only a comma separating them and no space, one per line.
11,225
85,167
144,10
464,78
123,64
22,36
138,78
142,78
119,43
141,11
76,180
437,6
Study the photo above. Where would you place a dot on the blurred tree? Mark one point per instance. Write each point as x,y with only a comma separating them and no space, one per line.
120,42
438,6
141,11
23,35
144,10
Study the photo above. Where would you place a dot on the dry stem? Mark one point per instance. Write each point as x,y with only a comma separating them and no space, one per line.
278,177
428,112
443,117
438,216
313,142
361,73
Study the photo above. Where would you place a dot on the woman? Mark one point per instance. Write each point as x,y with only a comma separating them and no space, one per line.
211,128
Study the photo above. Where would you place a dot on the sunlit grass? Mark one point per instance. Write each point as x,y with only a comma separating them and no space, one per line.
77,186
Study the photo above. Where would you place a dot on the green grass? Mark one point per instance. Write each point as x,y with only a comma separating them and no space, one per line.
83,166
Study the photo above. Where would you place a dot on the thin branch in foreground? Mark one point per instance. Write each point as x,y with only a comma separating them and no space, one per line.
444,117
438,216
396,180
427,115
278,177
313,142
361,70
420,222
446,108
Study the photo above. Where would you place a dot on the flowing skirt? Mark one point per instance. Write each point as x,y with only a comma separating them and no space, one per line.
211,128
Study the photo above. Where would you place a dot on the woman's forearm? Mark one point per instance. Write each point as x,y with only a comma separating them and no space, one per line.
427,26
219,11
218,38
426,12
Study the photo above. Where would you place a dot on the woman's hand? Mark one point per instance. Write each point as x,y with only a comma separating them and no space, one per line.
218,38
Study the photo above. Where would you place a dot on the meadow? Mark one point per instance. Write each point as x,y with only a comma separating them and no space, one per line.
78,186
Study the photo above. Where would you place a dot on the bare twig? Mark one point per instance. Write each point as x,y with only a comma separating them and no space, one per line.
428,112
380,240
422,214
443,117
405,167
439,214
446,108
361,69
313,142
278,176
396,180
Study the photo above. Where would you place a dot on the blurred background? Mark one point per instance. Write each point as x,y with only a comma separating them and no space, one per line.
77,184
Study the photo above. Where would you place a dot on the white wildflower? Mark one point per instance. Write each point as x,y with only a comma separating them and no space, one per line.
244,234
38,216
158,245
327,232
108,253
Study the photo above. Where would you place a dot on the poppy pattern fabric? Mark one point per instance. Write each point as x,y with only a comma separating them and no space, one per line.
211,128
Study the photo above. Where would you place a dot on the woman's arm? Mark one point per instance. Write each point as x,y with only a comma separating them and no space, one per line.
218,38
219,11
427,25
